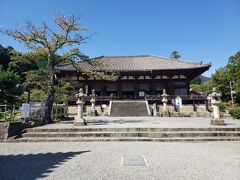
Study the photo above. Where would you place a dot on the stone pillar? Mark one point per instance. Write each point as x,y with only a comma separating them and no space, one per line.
93,101
164,101
216,114
80,102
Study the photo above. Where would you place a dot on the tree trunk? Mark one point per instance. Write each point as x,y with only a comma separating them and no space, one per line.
48,108
51,93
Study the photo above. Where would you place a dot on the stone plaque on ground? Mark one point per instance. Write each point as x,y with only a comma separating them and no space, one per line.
133,161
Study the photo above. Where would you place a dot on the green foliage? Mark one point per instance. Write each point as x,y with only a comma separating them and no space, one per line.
234,70
58,112
196,80
9,87
63,92
23,62
222,106
221,79
175,55
205,87
5,56
7,116
235,112
36,95
204,78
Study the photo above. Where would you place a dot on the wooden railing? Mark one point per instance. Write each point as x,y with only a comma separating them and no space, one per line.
152,97
184,97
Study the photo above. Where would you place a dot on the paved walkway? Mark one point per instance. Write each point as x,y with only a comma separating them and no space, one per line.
103,160
157,122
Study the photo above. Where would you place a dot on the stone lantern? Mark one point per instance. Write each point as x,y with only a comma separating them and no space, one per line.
93,102
80,102
164,101
215,100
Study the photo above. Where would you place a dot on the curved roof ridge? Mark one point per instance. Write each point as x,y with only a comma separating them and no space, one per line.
151,55
143,63
124,56
182,60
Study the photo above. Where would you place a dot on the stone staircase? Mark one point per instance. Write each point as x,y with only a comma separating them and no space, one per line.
129,108
86,134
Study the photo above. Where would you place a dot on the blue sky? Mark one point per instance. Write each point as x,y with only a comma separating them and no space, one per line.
201,30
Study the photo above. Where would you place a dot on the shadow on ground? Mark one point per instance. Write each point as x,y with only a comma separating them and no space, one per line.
32,166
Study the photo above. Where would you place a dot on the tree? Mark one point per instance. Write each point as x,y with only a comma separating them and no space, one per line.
5,56
196,80
48,42
23,62
175,55
234,70
205,87
221,79
9,90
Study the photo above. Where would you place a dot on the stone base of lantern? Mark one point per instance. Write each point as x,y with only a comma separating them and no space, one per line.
92,113
79,122
219,122
165,114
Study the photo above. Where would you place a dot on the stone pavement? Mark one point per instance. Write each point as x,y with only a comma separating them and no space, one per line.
151,122
103,160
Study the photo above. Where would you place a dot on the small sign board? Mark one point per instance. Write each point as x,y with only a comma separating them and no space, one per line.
25,110
141,93
178,102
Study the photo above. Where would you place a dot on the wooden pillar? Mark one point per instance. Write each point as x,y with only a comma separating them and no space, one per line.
170,87
103,89
188,87
119,89
136,89
152,87
206,105
86,89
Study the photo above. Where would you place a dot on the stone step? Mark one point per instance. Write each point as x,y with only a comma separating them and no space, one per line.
86,129
132,134
132,139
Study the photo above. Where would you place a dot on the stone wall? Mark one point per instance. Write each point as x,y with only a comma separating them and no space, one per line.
9,129
3,130
185,111
72,110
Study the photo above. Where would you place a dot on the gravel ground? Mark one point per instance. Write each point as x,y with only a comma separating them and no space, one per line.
102,160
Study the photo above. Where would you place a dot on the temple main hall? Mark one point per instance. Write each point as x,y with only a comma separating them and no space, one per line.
139,76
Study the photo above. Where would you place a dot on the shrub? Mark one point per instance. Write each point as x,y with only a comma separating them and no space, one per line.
222,106
235,112
8,116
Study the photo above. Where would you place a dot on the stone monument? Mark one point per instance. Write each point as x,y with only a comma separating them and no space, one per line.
79,120
154,108
178,103
164,101
215,100
93,102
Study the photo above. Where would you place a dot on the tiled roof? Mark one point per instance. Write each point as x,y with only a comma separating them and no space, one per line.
138,63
